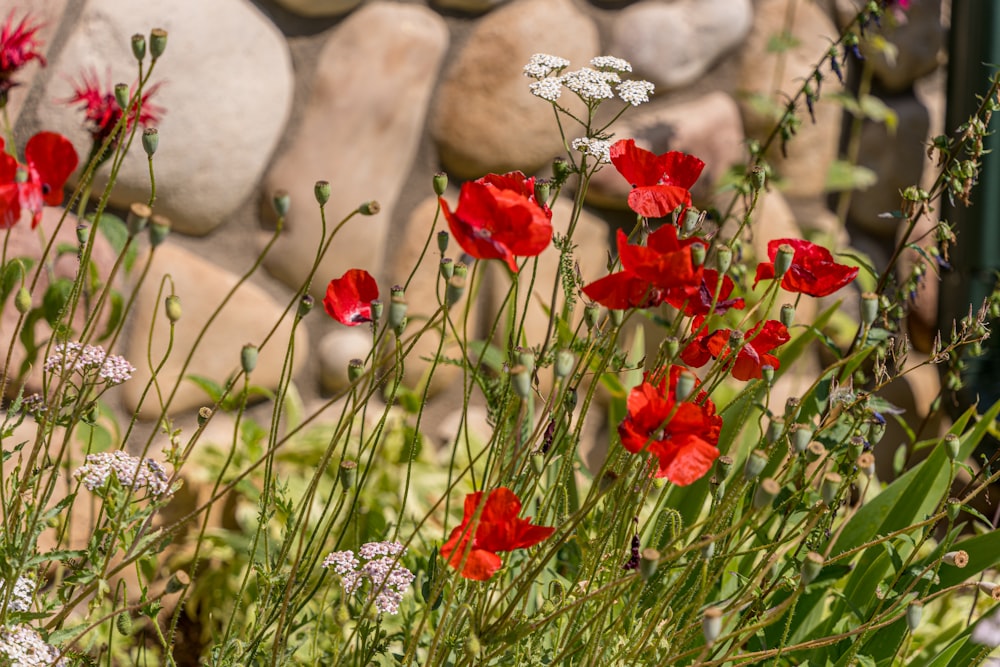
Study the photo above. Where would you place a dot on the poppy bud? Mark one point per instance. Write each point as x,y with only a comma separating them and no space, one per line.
723,465
991,589
82,234
454,290
281,201
172,305
157,42
123,620
685,385
758,178
783,260
723,258
672,347
347,473
792,408
711,624
774,430
811,567
564,363
442,240
787,316
159,229
440,183
913,613
139,46
767,373
138,216
815,451
521,380
697,254
22,300
830,486
766,492
953,507
801,436
561,169
855,446
355,368
377,308
866,464
248,358
542,189
869,308
952,446
692,217
150,140
648,562
617,317
447,268
755,464
735,339
591,313
122,95
957,559
178,581
204,414
876,429
322,192
369,208
306,304
397,307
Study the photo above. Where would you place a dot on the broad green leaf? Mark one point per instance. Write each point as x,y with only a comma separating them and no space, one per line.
55,299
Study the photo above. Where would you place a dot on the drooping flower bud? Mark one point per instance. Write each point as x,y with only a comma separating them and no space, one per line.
22,300
369,208
150,140
122,95
281,201
783,260
139,46
321,190
123,621
157,42
138,216
172,306
159,229
440,183
248,358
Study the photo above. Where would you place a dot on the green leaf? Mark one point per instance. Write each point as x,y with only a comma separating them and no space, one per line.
489,355
55,299
210,387
115,231
843,176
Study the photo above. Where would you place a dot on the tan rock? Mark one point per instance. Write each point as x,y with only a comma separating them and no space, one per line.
319,8
485,119
360,131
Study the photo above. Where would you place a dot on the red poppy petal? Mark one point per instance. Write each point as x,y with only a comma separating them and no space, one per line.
680,169
657,201
688,460
638,166
621,291
765,271
480,565
8,168
348,298
10,205
53,157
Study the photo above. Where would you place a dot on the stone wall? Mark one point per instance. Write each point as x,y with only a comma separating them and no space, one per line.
375,97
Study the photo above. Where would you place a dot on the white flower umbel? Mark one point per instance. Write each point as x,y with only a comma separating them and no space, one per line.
542,64
611,63
634,92
21,645
591,85
598,148
389,579
23,594
130,471
90,361
548,89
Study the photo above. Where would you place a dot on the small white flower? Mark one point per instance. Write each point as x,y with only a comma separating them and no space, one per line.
24,592
542,64
598,148
24,647
549,88
634,92
612,63
591,85
388,577
130,471
89,360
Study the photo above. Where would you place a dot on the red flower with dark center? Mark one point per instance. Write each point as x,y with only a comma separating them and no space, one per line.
50,159
498,217
753,355
349,298
101,110
682,435
497,528
660,270
812,272
18,47
660,183
700,302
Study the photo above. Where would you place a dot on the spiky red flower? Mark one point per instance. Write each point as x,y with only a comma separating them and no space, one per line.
682,435
101,110
49,160
18,46
498,528
349,298
660,183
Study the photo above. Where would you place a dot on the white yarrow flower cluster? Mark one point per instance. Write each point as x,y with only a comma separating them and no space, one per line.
130,471
90,361
598,148
634,92
611,63
591,84
22,646
548,89
542,64
23,594
389,579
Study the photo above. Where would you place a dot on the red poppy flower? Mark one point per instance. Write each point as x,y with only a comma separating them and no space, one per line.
753,355
50,159
660,183
660,270
497,217
18,47
101,110
498,528
682,435
812,272
700,302
349,298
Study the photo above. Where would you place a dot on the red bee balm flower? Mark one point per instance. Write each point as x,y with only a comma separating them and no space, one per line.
660,183
17,48
498,528
349,298
101,110
50,159
498,218
681,435
661,270
812,272
753,355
